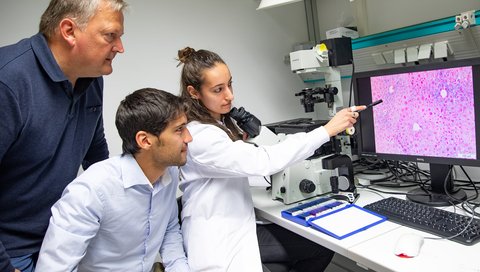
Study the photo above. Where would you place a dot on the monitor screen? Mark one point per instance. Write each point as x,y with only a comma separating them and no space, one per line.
430,113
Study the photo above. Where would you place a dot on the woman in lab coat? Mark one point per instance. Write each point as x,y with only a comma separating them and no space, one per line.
218,220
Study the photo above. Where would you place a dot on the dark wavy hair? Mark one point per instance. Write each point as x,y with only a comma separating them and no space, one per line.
194,64
148,110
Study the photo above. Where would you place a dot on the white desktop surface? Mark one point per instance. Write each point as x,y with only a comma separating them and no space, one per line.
373,248
271,210
435,255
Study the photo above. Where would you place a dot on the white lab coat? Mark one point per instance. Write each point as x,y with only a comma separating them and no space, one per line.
218,220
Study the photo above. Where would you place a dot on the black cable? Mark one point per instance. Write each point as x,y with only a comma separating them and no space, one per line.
469,206
268,181
351,85
471,182
404,172
396,171
445,189
399,175
475,206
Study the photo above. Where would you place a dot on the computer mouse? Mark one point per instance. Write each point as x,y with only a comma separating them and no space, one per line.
408,245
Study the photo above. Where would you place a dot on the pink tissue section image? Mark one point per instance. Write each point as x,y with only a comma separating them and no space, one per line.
428,113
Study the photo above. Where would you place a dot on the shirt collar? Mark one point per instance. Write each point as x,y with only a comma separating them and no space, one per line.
46,59
133,175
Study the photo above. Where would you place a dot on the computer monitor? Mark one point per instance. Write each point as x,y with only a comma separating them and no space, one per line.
430,114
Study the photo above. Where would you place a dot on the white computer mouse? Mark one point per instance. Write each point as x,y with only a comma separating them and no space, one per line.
408,245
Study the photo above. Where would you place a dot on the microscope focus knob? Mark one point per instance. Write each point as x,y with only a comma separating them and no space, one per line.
307,186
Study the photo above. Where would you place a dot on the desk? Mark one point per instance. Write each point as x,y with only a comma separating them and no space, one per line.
373,248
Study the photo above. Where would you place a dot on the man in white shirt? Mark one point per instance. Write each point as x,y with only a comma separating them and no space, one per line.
121,212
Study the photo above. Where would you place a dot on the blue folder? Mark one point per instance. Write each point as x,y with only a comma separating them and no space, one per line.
346,221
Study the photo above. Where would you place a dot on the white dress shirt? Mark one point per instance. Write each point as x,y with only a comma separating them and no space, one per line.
111,218
218,219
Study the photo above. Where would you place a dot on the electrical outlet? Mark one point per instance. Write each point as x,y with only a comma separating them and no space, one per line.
458,22
468,16
458,19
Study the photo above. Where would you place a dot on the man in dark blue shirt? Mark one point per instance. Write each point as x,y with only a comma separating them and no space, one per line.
51,93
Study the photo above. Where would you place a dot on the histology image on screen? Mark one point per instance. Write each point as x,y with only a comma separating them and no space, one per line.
427,113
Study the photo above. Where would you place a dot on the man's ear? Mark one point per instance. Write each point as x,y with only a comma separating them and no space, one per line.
67,31
192,92
143,140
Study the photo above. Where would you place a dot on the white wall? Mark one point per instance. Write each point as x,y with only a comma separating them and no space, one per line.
383,15
252,43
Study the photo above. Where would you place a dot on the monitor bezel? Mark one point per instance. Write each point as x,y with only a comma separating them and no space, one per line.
362,126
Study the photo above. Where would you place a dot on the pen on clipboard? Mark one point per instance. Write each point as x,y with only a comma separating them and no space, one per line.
351,130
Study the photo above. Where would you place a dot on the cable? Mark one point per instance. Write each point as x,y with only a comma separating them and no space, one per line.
472,213
471,182
268,181
401,170
475,206
408,174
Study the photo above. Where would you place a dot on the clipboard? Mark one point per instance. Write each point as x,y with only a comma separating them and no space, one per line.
346,221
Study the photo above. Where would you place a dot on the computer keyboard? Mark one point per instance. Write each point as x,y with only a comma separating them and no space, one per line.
428,219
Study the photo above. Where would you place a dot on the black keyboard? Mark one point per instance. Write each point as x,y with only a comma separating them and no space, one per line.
428,219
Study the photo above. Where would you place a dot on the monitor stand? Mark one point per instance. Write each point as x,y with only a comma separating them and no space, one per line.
435,195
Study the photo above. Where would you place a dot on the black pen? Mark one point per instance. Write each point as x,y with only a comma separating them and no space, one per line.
351,130
354,108
374,103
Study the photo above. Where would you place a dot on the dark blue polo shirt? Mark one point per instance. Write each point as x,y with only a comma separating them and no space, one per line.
47,130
